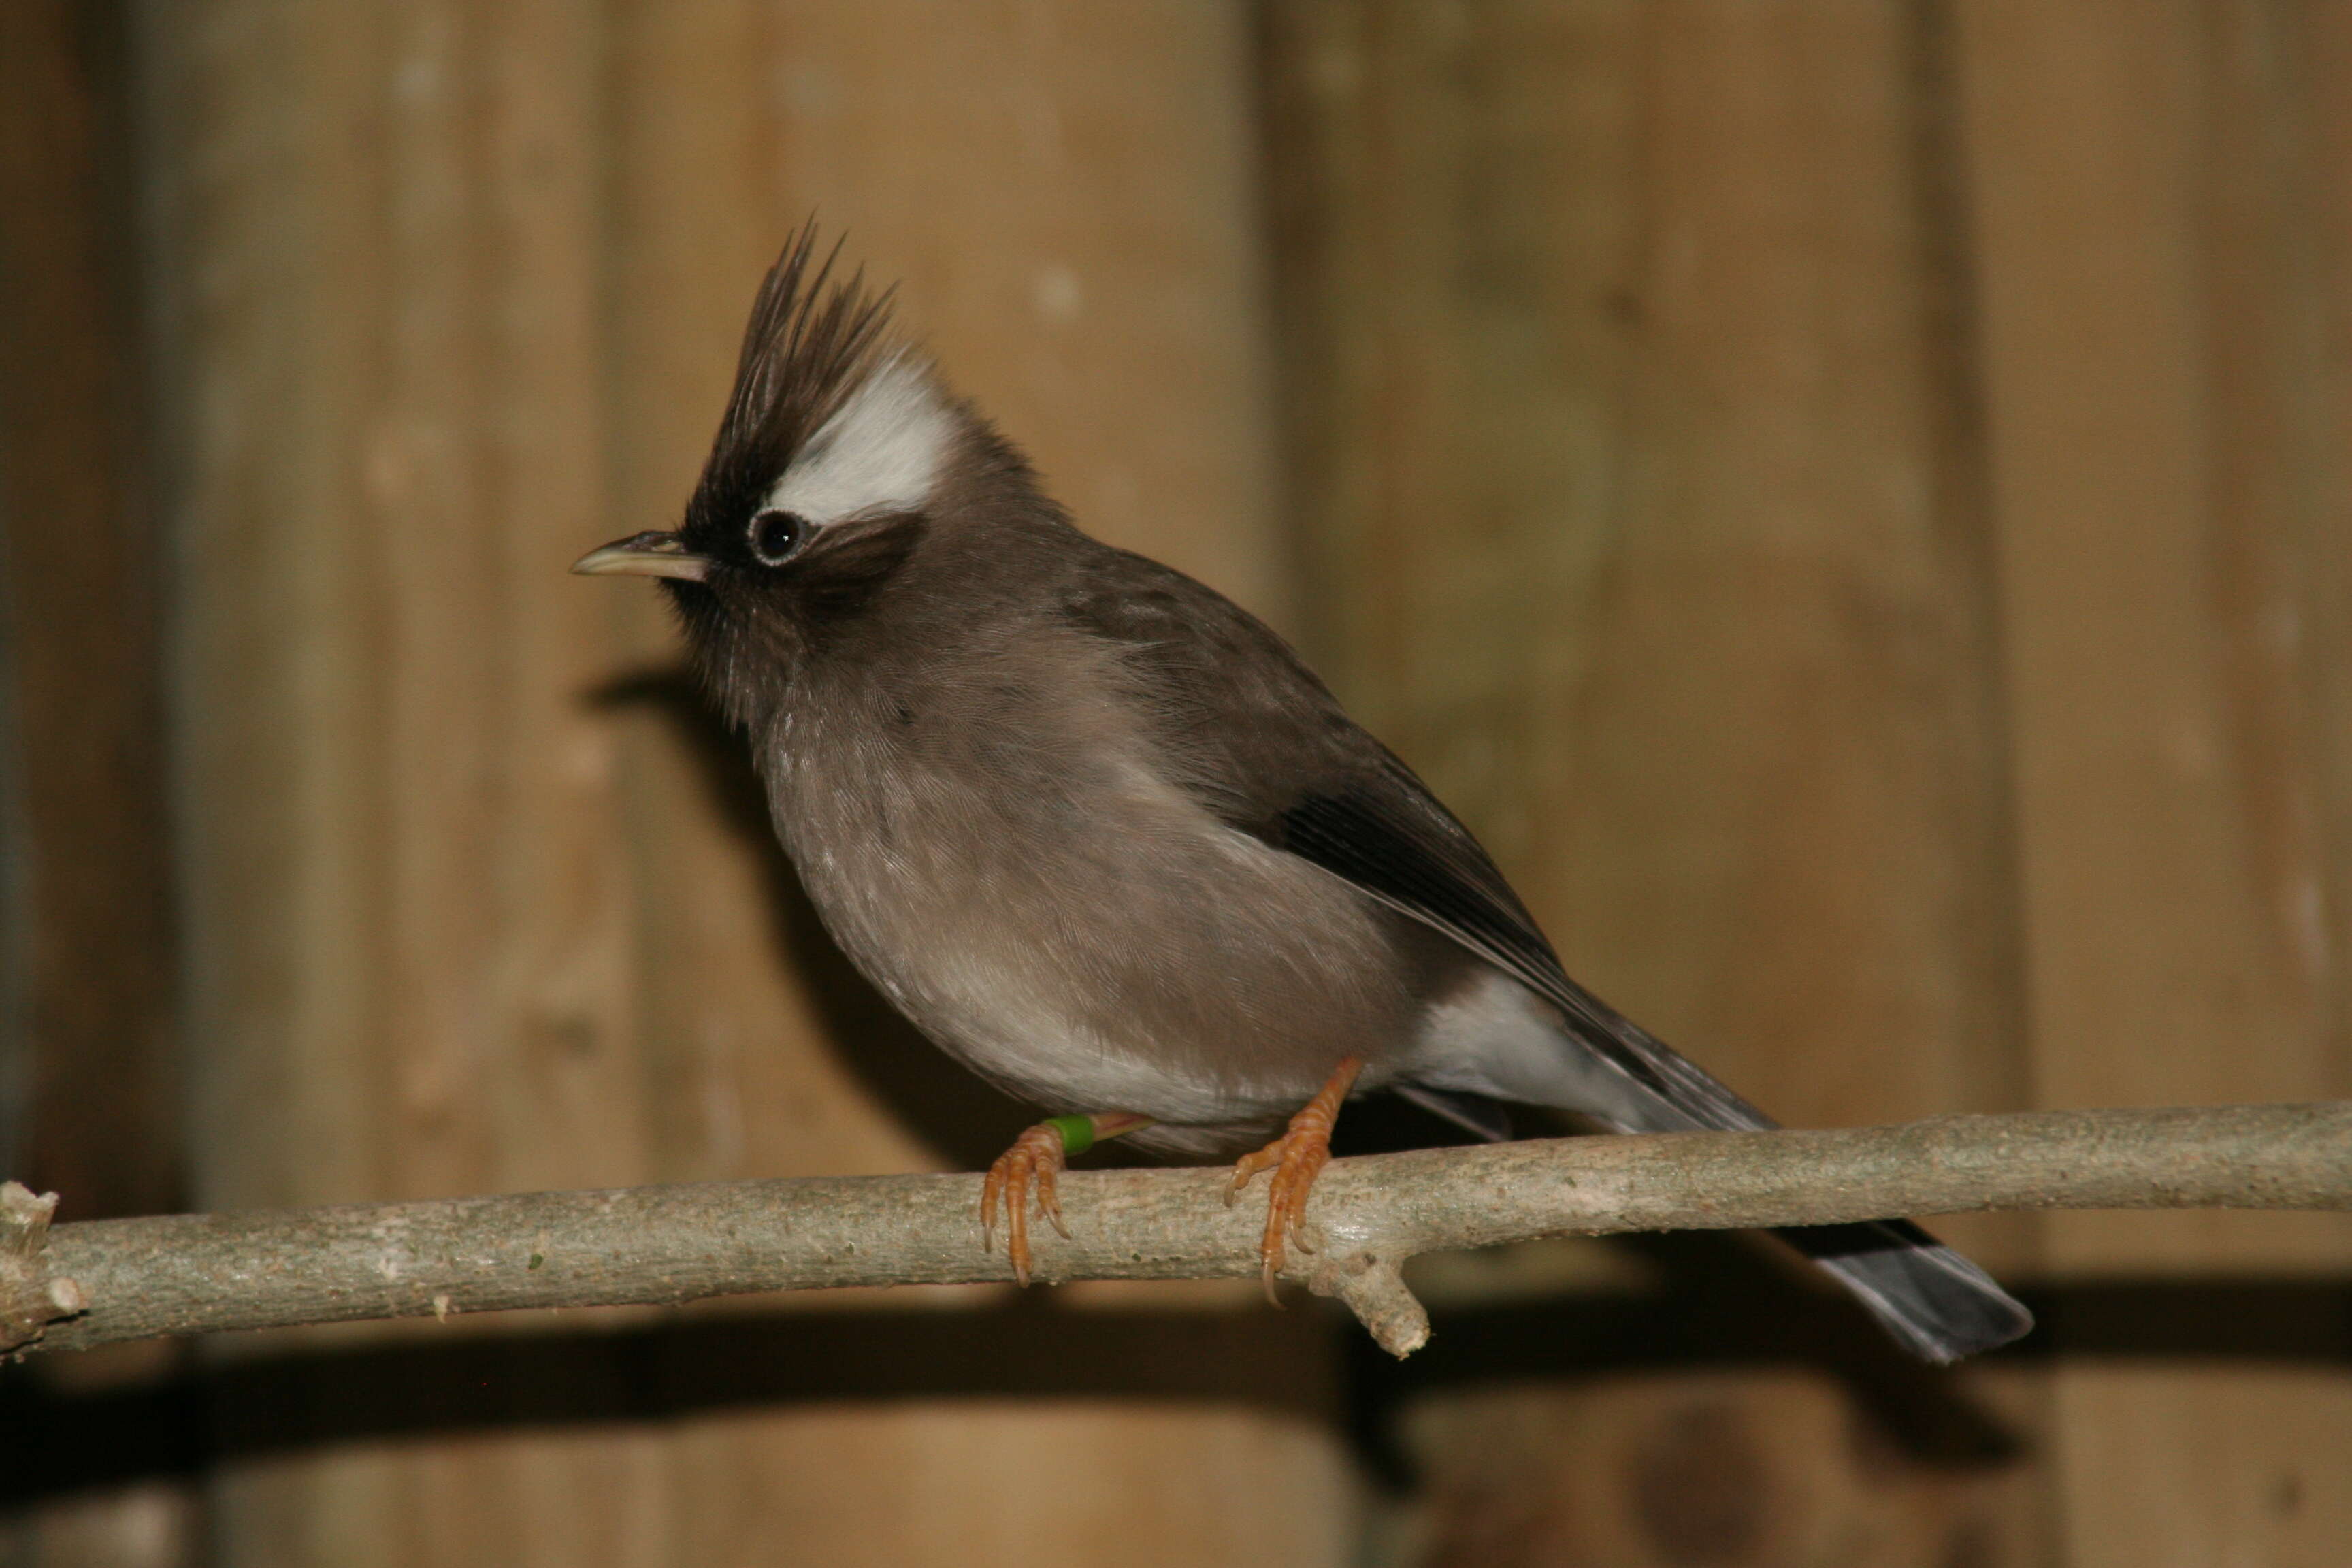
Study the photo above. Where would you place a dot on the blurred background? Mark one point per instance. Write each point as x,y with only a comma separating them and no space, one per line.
1848,497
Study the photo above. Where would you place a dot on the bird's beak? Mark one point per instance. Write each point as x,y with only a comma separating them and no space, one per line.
649,554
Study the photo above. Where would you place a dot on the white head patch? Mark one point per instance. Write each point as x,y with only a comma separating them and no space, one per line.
879,454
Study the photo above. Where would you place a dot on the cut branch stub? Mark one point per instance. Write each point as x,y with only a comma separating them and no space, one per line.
31,1298
1374,1288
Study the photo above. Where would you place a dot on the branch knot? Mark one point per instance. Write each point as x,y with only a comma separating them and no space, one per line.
31,1298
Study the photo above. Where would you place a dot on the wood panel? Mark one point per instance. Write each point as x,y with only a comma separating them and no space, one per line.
878,1485
1635,441
480,898
2161,243
1847,497
2160,486
1743,1467
1063,193
1635,518
1087,264
89,1104
408,908
408,900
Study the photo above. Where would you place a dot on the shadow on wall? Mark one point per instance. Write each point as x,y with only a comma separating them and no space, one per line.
54,1441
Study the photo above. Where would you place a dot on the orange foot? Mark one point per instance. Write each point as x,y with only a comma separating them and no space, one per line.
1036,1158
1297,1157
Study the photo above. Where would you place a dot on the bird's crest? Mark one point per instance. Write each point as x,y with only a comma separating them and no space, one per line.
813,341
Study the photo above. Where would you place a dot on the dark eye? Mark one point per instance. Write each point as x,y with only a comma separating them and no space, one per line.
777,536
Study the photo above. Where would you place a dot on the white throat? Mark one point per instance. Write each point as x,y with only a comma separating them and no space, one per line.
881,453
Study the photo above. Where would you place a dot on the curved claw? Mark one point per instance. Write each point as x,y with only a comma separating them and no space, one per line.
1297,1157
1246,1168
1033,1160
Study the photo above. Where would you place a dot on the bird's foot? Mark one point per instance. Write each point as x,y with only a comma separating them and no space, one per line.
1035,1160
1037,1157
1297,1157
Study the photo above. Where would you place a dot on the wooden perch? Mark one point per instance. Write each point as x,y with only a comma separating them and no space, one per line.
104,1280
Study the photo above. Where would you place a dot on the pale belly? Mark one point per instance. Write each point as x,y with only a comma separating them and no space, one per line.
1120,950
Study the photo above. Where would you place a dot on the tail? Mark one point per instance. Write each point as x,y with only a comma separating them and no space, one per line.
1937,1304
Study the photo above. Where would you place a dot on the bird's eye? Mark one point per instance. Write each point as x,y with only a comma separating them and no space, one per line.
777,536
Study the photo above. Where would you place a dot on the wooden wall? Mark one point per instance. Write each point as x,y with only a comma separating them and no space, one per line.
89,1104
2166,292
1848,497
474,899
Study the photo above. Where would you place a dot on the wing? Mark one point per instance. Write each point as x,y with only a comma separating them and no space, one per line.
1268,749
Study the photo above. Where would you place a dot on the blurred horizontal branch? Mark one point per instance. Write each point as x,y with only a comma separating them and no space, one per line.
105,1280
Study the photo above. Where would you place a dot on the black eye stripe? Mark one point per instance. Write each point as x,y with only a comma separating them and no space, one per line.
777,536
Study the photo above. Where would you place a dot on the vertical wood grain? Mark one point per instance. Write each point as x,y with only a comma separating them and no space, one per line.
89,1098
1703,1466
879,1485
90,1101
480,897
1063,193
1635,444
407,906
1634,521
2159,199
2140,326
1088,265
747,1078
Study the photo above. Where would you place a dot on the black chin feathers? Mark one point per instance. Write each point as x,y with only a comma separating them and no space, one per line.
812,340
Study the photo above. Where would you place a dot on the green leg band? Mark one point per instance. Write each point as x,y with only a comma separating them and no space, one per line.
1077,1132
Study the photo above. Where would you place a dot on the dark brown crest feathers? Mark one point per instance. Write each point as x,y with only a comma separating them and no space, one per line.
812,340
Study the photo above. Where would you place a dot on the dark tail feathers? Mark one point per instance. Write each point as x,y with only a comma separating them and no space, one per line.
1938,1304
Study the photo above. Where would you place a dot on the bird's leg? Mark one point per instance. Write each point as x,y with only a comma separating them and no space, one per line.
1036,1158
1297,1157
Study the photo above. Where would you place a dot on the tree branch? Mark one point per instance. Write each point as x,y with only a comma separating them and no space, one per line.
106,1281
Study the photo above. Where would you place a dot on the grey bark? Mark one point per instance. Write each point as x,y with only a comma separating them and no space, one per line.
138,1279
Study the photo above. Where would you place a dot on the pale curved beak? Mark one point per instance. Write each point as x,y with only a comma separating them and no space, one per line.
652,554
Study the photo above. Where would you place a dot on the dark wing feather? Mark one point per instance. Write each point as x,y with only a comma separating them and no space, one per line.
1273,754
1394,840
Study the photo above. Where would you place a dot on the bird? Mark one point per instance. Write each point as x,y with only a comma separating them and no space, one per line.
1102,836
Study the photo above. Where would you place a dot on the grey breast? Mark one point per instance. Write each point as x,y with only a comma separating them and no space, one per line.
990,838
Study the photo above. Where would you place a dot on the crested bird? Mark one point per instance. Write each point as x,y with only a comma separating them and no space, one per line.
1100,834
